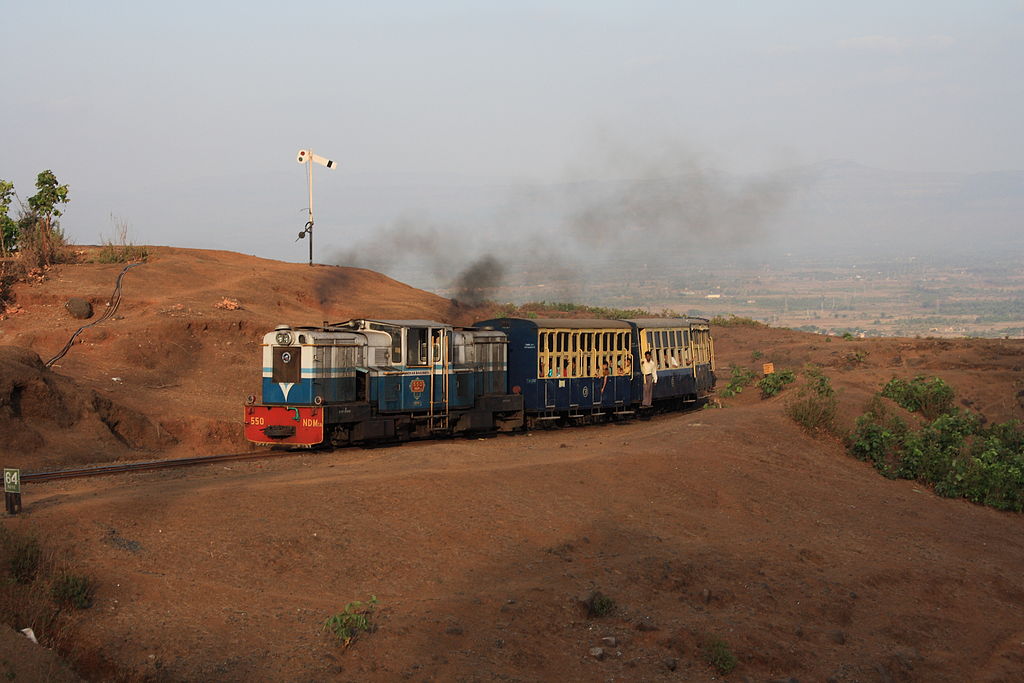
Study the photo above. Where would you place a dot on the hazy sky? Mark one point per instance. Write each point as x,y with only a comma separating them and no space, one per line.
173,116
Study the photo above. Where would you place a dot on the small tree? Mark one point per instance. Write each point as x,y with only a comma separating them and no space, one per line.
8,228
43,207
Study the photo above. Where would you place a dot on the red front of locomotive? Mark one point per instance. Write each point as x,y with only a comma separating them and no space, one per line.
284,426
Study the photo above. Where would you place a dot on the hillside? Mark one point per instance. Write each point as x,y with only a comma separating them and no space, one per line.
173,367
726,523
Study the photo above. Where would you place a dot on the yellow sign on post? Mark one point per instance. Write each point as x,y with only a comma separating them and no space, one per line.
768,368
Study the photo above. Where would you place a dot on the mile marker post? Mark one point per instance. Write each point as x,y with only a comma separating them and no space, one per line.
12,490
306,156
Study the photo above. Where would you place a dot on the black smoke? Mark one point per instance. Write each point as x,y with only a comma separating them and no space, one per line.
479,281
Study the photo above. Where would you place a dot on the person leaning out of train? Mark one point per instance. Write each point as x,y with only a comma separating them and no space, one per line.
649,369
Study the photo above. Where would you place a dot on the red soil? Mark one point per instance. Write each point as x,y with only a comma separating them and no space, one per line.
727,522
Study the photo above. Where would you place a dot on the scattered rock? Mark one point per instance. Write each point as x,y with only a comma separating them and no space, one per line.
670,663
454,630
228,304
883,673
597,652
837,637
906,656
79,308
646,626
610,641
705,595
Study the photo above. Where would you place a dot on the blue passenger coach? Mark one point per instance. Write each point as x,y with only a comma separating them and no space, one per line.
569,367
683,350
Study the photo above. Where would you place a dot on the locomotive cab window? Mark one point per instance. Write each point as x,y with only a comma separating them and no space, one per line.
418,343
396,347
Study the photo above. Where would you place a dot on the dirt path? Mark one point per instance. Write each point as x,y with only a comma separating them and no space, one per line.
722,522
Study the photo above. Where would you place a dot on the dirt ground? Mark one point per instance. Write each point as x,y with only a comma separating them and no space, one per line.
727,523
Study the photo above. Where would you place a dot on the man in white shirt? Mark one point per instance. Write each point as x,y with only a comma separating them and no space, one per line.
650,371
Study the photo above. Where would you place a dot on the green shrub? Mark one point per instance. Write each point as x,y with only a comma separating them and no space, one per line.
772,384
353,620
817,381
121,249
600,605
122,253
736,321
855,358
718,654
929,396
815,405
813,412
952,452
739,378
73,591
23,557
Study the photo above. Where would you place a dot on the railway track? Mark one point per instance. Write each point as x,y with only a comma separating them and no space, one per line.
35,477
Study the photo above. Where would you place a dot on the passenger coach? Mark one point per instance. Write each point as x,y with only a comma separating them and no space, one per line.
590,369
574,368
684,352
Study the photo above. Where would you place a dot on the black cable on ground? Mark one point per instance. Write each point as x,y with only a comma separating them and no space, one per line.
115,301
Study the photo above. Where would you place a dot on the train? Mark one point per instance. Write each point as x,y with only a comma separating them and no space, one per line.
370,381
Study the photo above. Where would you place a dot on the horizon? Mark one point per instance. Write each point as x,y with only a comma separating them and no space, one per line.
463,124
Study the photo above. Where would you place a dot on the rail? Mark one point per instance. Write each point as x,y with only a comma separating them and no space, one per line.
119,468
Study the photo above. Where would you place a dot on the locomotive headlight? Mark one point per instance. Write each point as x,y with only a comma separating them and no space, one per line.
283,338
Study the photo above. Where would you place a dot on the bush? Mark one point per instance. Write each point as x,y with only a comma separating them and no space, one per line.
929,396
813,412
120,249
23,557
817,381
772,384
718,654
355,619
815,405
953,453
72,590
855,358
739,377
736,321
39,244
600,605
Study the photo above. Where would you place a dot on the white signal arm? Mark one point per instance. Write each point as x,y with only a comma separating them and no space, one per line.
306,156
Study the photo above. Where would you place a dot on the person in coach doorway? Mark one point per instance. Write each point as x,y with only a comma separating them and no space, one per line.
650,371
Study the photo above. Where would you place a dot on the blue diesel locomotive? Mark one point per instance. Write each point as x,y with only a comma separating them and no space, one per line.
366,381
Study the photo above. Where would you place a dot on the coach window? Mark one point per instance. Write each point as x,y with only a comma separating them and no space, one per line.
542,347
605,346
551,356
